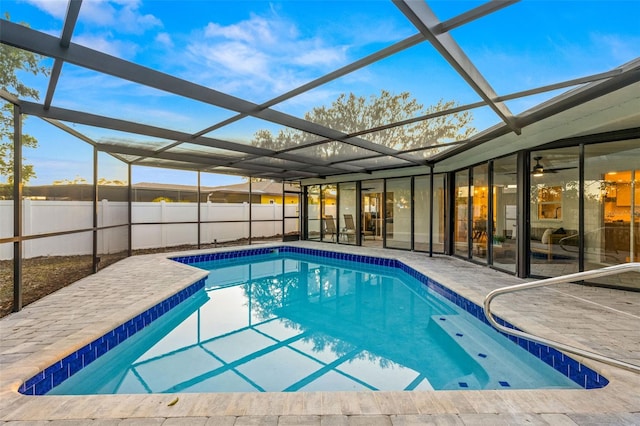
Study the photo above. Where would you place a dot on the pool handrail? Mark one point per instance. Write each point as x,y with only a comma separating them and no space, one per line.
578,276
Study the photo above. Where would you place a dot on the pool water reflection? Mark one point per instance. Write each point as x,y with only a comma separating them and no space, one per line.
292,323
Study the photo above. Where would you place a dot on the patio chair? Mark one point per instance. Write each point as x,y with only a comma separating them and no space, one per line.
330,226
351,228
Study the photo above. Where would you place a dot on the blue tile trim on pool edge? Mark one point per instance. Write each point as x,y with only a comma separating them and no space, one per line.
576,371
55,374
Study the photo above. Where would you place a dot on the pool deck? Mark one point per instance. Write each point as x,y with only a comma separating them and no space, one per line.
601,320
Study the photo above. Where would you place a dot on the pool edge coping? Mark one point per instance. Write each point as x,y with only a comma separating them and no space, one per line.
621,383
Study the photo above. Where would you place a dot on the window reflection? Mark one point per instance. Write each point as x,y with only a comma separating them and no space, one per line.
480,202
398,216
505,213
612,209
422,215
313,212
347,214
554,208
372,212
460,214
328,207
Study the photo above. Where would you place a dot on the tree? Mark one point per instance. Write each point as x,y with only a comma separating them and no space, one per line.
12,61
351,114
77,181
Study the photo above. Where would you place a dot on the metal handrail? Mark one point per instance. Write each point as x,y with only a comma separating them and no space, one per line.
610,270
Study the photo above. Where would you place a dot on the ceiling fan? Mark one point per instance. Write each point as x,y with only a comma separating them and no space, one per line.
539,170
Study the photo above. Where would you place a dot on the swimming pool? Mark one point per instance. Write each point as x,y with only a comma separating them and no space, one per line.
275,320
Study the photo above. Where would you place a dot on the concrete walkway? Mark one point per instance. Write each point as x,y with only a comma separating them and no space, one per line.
601,320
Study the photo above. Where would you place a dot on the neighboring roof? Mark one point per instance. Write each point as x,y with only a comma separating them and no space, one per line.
258,188
593,95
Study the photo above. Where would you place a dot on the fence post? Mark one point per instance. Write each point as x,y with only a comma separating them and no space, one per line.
274,217
105,220
246,216
163,228
27,226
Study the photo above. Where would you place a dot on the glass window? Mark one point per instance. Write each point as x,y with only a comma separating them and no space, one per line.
461,214
291,211
612,209
505,213
313,212
347,197
554,212
439,214
328,206
398,216
372,192
422,213
480,205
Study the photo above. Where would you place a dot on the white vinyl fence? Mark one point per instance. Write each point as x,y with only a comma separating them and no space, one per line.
41,217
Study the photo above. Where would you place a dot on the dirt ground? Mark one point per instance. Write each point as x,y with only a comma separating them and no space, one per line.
44,275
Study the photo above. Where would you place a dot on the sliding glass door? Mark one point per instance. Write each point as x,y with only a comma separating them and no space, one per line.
554,203
347,214
461,214
313,219
328,209
480,212
505,213
612,209
398,216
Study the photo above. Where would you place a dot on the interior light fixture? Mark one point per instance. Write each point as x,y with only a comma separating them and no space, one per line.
537,170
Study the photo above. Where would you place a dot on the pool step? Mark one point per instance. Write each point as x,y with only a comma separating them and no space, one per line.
506,364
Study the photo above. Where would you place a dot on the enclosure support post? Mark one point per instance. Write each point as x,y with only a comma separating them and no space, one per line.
431,195
634,212
96,259
523,218
17,209
129,212
413,212
470,214
490,213
250,208
198,206
359,215
581,209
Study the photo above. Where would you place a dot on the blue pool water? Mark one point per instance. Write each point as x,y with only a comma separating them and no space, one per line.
291,322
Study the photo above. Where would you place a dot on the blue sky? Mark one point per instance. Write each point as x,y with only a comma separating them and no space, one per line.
258,50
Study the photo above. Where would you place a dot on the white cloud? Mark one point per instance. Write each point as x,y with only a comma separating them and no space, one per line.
233,56
621,49
122,16
164,39
321,56
106,44
57,8
264,56
254,30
